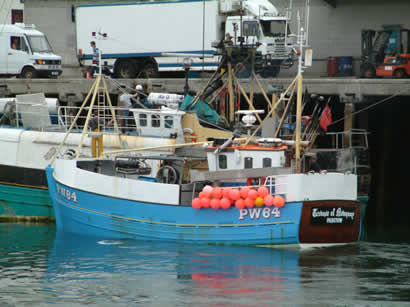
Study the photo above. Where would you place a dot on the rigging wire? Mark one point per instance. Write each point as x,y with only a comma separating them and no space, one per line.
366,108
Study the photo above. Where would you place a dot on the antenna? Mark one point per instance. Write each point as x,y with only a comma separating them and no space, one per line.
307,16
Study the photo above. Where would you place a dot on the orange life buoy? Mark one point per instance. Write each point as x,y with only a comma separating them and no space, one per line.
255,181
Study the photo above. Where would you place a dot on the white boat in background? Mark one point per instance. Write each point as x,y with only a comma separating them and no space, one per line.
34,127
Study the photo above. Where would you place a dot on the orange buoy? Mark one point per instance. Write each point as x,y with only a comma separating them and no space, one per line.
258,201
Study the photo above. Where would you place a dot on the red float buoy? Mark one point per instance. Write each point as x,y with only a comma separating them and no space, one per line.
234,194
215,203
278,201
207,190
244,192
217,193
263,191
205,202
249,203
252,194
268,200
225,203
240,203
196,203
226,191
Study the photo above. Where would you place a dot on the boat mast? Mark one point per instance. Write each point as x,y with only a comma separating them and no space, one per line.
299,84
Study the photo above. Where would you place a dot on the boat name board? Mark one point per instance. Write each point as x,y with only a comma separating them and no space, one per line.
332,215
66,193
257,213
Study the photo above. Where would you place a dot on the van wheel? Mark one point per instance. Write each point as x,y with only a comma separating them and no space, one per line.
125,69
399,73
29,73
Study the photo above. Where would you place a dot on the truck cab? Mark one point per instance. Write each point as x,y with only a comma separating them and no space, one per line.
25,52
271,36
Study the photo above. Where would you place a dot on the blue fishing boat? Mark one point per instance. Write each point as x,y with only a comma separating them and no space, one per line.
114,199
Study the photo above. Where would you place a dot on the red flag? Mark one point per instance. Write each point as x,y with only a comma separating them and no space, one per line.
326,118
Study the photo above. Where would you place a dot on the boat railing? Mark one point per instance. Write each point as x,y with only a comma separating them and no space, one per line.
276,184
353,138
124,118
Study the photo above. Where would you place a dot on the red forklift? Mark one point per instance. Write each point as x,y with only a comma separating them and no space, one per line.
386,53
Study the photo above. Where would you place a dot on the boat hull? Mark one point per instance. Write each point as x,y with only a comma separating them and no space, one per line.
89,213
24,194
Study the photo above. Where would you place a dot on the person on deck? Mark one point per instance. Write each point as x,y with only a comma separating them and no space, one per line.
96,59
314,166
125,103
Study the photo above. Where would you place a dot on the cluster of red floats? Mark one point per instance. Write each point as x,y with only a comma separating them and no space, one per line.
244,197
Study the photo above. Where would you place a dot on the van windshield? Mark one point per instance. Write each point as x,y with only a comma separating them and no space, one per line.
39,44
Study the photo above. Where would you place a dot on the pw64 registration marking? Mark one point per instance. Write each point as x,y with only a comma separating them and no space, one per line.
257,213
66,193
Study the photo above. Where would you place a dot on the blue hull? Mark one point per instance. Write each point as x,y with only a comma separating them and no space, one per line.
112,218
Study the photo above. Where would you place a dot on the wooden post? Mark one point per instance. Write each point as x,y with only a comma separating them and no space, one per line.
230,88
348,124
298,122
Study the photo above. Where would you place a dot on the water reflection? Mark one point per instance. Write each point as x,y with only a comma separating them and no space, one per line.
158,272
41,267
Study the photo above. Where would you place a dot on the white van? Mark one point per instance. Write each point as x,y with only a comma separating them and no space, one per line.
25,52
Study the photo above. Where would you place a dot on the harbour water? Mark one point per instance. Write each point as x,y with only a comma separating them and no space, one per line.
41,267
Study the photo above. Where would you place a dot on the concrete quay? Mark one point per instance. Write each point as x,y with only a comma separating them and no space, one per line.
350,89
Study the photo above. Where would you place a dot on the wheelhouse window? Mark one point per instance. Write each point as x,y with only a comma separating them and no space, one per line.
169,122
248,162
223,162
267,162
143,120
155,121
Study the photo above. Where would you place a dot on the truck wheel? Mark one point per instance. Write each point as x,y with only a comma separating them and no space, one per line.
150,70
369,72
399,73
29,73
125,69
